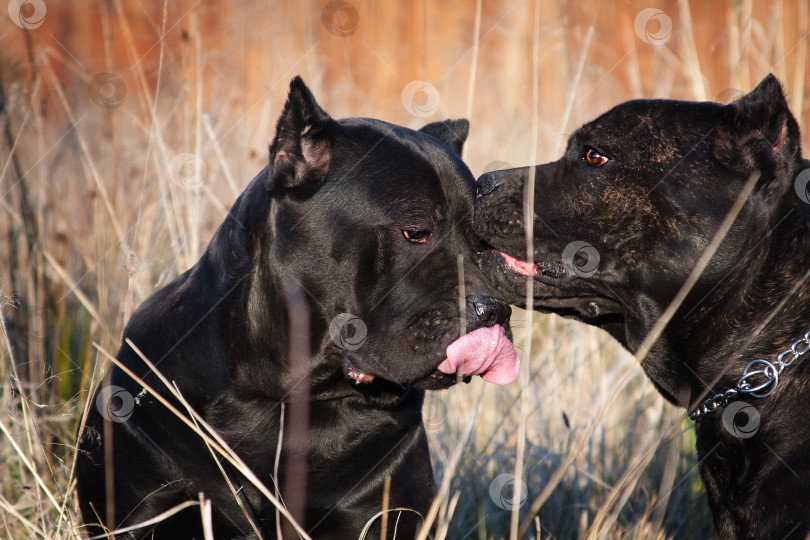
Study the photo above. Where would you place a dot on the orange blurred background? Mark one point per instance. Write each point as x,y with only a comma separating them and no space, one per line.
233,59
107,102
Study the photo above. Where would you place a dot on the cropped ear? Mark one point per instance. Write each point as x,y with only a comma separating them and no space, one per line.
758,131
453,133
302,150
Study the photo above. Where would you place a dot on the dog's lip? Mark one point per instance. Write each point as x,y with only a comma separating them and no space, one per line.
356,374
546,271
549,269
551,283
486,351
553,293
524,268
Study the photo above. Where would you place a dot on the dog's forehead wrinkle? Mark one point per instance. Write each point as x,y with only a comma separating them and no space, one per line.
607,129
401,140
656,122
436,161
423,189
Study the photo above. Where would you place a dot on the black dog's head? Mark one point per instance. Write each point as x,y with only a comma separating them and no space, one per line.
623,217
374,223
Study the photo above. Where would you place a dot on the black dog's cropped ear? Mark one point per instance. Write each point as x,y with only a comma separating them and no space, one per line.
302,149
758,131
453,133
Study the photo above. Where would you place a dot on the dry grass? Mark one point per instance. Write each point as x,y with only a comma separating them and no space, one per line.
92,219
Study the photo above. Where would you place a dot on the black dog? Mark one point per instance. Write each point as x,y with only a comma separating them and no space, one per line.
365,223
622,220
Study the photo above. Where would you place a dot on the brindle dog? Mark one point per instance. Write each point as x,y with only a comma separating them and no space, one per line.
645,187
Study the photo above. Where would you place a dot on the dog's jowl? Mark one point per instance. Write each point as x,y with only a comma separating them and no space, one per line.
325,304
622,220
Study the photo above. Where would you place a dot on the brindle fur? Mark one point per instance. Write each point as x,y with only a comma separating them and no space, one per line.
674,172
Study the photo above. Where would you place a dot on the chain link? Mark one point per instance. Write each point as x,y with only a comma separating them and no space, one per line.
759,379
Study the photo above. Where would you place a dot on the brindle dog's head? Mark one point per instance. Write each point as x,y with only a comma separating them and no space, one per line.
622,218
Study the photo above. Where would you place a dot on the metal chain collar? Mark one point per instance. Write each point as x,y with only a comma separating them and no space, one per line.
766,375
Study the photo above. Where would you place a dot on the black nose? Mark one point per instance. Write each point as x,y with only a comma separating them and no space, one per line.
486,184
489,311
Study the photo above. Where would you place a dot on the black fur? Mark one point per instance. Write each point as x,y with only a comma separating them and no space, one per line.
323,221
674,170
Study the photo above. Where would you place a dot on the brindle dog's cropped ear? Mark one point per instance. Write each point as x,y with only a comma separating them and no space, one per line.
453,133
302,150
758,131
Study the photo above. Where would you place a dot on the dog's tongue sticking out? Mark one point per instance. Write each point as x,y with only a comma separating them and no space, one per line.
521,267
486,352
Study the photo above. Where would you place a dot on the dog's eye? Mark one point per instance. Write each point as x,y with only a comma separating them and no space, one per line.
416,236
594,158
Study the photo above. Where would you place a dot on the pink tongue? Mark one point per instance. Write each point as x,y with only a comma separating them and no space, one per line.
486,352
521,267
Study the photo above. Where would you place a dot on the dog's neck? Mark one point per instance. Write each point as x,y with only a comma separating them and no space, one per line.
755,310
764,306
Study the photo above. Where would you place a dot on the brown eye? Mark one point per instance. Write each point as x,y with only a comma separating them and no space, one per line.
416,236
594,158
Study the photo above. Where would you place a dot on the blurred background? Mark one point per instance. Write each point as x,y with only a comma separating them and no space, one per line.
128,129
